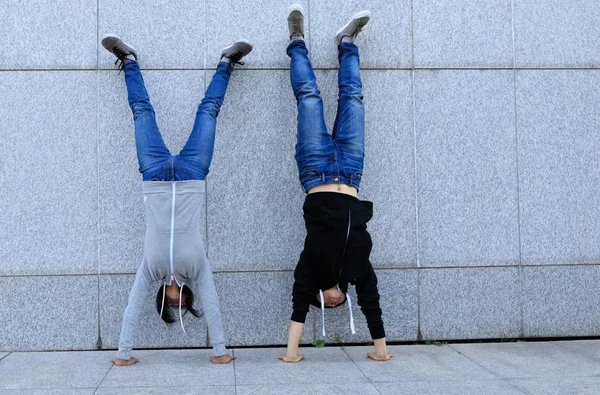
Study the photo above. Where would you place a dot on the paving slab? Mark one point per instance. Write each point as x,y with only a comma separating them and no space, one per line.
308,389
563,386
328,365
62,391
190,390
463,387
417,363
462,33
589,348
529,360
168,368
53,370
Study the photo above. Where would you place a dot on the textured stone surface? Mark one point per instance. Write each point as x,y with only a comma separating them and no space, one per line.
552,386
589,348
466,168
53,370
321,366
257,308
414,363
62,391
263,24
175,96
558,113
470,303
48,173
556,33
459,33
389,172
176,367
384,43
165,34
48,313
463,387
399,303
308,389
48,35
529,360
254,196
151,330
561,301
189,390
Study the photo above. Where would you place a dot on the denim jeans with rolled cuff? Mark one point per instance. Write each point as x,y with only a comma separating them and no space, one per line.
322,157
155,161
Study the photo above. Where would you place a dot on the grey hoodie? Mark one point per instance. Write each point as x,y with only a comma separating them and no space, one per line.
173,250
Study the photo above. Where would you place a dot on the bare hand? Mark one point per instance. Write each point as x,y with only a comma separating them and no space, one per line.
223,359
124,362
294,359
376,357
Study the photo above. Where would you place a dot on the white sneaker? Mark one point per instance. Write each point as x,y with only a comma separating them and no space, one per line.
236,51
119,48
296,21
352,28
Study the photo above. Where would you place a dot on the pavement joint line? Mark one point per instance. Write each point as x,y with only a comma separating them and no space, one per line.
10,352
505,380
104,378
359,369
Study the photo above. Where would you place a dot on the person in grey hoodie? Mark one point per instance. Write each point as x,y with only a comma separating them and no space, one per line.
174,260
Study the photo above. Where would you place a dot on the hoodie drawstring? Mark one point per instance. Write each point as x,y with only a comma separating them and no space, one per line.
351,316
162,305
180,316
322,310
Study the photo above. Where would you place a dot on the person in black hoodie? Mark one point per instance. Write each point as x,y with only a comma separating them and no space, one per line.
337,246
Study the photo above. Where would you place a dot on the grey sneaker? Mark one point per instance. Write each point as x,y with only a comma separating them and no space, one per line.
236,51
296,21
352,28
117,47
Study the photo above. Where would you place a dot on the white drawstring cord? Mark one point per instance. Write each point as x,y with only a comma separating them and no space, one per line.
322,310
351,316
180,316
162,306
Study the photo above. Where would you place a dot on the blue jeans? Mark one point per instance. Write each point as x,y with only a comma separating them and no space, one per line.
322,157
155,160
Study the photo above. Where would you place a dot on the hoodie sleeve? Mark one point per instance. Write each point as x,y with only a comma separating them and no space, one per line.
302,293
368,299
205,286
137,296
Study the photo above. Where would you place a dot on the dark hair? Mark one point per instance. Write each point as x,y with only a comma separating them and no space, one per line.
189,304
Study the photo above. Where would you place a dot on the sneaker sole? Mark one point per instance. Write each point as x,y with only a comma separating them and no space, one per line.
295,7
358,15
239,41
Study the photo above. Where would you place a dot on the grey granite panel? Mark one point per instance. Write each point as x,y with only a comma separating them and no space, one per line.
416,363
562,386
399,303
175,96
165,34
466,168
463,387
328,365
62,391
257,308
48,313
561,301
529,360
558,113
389,174
53,370
459,33
196,390
254,196
167,368
151,330
384,43
40,34
589,348
469,303
264,24
308,389
48,173
556,33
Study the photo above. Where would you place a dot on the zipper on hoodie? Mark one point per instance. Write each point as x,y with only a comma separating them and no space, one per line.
173,188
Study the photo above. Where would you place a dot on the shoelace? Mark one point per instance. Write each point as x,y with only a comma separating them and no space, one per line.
120,57
235,58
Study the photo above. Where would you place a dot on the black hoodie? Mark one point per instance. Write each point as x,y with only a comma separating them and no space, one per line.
336,252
